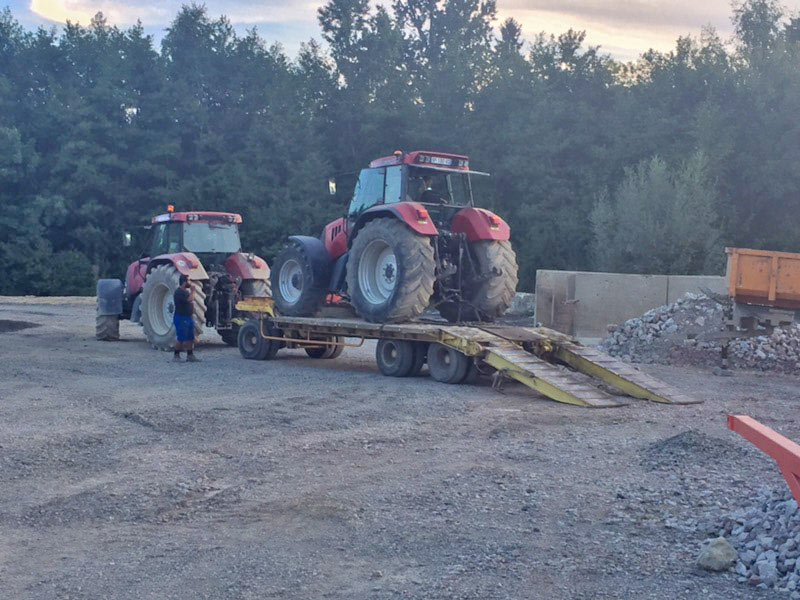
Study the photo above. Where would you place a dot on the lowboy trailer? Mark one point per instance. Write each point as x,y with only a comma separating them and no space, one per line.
548,362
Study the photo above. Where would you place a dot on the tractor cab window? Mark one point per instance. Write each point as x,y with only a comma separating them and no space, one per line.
166,239
394,184
217,238
369,190
438,187
158,243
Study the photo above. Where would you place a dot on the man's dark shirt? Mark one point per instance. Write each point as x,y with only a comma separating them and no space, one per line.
183,307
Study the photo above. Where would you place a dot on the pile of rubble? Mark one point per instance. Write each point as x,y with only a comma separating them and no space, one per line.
766,537
684,332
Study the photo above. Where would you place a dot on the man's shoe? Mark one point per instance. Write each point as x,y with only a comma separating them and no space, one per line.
192,358
176,358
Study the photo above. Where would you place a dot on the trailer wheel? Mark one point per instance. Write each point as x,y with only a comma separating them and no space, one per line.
446,364
336,351
328,351
252,344
420,356
395,358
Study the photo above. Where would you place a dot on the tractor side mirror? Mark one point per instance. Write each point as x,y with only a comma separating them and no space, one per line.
126,239
332,186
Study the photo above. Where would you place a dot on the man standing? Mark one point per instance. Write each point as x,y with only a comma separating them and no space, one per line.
184,322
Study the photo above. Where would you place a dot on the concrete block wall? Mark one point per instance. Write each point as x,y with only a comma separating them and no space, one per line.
583,303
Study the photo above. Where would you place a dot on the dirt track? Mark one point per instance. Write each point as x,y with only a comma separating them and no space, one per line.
123,475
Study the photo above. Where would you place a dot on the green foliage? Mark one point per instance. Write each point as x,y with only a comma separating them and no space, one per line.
659,221
99,130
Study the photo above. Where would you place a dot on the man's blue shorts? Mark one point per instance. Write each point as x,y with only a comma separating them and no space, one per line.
184,328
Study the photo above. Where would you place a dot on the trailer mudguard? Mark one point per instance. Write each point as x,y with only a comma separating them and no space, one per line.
480,224
321,261
413,214
247,266
109,297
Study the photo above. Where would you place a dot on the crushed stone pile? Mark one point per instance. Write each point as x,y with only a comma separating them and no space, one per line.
766,536
682,334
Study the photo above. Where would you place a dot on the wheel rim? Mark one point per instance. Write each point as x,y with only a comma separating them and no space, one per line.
162,309
290,281
249,340
389,354
377,272
443,357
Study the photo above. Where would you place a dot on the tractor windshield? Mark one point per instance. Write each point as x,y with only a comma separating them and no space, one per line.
437,187
206,238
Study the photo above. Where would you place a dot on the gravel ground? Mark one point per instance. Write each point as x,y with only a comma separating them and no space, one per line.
123,475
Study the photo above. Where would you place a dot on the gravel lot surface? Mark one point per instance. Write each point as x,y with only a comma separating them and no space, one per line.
123,475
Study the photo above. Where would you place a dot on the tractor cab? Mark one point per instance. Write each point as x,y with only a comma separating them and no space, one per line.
211,236
430,178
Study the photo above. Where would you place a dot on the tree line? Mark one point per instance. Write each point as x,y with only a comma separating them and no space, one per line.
647,166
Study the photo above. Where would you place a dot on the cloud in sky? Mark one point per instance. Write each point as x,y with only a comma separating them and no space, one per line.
126,12
624,28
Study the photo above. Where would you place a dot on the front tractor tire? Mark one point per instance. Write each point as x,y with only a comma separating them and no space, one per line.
390,272
107,327
488,295
158,307
297,290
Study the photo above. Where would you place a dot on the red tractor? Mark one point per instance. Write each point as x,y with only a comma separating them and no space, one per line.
411,237
205,247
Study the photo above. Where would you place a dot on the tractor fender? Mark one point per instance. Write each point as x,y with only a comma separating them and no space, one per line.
134,277
109,297
247,266
480,224
318,256
413,214
186,263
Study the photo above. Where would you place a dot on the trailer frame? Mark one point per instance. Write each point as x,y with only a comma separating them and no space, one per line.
548,362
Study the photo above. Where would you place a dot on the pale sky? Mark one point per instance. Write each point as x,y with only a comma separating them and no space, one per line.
623,28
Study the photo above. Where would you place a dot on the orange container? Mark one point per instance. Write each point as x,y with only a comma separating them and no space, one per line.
764,277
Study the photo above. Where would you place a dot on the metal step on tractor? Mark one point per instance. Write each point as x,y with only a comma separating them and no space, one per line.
411,238
205,247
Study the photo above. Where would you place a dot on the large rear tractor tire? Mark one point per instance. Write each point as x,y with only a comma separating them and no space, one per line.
489,295
390,272
107,327
158,307
296,290
255,288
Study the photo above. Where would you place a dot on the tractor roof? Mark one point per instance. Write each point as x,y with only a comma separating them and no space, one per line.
199,216
425,159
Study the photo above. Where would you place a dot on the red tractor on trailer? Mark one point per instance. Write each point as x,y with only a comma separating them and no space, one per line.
411,237
202,245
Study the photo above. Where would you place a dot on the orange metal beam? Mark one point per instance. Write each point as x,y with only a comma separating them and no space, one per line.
784,451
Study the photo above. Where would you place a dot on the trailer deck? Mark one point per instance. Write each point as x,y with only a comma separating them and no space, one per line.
552,364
